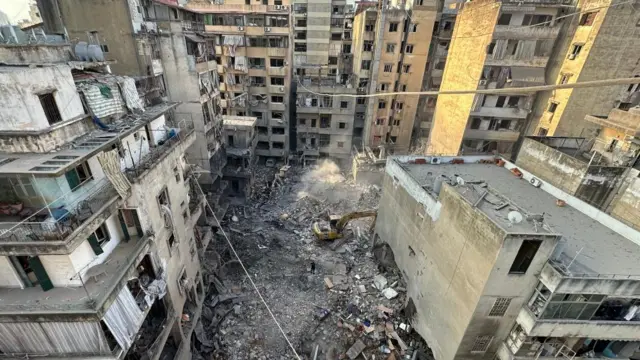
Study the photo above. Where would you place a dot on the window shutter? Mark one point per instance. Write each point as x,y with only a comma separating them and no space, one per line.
72,178
123,225
93,241
41,273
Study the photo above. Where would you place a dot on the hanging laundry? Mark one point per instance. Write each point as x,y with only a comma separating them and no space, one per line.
241,63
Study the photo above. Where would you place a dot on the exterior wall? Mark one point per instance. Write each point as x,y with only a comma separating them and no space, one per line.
501,284
446,275
21,108
45,140
39,54
8,276
473,33
627,206
115,30
609,51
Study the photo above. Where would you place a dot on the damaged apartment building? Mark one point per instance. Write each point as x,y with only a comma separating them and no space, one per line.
323,64
163,47
502,264
103,223
391,45
252,48
240,144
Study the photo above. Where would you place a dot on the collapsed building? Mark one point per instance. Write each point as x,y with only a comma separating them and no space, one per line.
102,221
240,140
502,263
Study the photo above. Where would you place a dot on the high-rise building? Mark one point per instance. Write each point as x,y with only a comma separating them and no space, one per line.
101,219
391,45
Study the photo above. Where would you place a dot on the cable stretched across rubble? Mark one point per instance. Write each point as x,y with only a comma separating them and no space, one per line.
249,276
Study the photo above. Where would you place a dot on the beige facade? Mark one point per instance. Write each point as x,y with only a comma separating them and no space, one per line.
599,44
393,46
493,46
252,50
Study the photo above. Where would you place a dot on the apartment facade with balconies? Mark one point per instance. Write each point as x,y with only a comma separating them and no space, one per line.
493,45
101,239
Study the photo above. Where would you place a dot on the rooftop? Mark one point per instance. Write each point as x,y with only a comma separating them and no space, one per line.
601,250
231,120
56,163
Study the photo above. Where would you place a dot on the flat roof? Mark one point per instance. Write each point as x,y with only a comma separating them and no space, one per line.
231,120
56,163
601,250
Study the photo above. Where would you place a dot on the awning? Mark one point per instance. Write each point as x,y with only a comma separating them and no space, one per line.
527,75
194,38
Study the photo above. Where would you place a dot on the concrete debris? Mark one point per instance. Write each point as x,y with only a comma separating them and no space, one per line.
380,282
320,292
389,293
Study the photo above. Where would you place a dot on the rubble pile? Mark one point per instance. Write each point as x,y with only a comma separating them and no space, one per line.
334,300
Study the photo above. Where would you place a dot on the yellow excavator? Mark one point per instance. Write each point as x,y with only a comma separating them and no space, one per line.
337,224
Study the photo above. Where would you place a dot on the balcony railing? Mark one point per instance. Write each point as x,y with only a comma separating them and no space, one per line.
195,26
175,136
60,218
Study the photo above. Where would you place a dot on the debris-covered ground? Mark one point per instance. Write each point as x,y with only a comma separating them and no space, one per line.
334,300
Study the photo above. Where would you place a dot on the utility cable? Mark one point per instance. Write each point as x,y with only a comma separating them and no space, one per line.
510,90
249,276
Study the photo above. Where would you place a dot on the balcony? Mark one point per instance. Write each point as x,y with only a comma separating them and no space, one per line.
266,30
525,33
205,66
192,26
277,106
503,112
238,8
61,225
494,135
154,332
225,29
277,71
177,140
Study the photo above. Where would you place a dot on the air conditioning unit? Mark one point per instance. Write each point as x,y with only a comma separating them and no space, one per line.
282,89
571,56
535,182
278,7
267,29
483,82
240,28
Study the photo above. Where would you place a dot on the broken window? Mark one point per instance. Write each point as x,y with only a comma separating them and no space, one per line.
256,63
413,27
525,256
257,81
369,25
257,42
278,21
513,101
255,20
50,108
500,306
333,60
391,48
324,140
325,121
512,46
78,176
588,18
366,65
277,130
346,48
98,238
393,27
388,68
278,42
367,46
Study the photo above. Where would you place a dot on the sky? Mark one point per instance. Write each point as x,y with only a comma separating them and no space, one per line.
15,9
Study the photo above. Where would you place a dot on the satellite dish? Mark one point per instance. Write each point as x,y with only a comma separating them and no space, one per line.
514,217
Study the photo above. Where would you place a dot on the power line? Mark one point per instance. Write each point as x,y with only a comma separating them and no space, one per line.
510,90
544,22
249,276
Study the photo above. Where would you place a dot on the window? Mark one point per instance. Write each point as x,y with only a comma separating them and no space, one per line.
300,47
367,46
393,27
396,122
277,130
176,174
277,99
380,121
366,64
552,107
257,81
406,68
333,60
408,49
500,306
275,62
575,51
256,63
369,26
78,176
402,87
384,86
481,344
104,48
346,48
301,22
513,101
500,102
583,307
382,104
512,46
51,111
399,105
361,101
439,65
344,104
537,20
302,121
342,125
98,238
588,18
525,256
491,47
324,140
340,144
279,81
313,122
391,48
564,78
388,68
413,27
504,19
336,36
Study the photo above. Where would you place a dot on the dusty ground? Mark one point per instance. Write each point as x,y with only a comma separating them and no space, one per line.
272,235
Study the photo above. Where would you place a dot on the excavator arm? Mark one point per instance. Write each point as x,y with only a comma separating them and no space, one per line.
344,220
336,228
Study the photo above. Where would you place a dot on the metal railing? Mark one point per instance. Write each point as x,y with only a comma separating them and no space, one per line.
189,25
175,136
563,269
60,218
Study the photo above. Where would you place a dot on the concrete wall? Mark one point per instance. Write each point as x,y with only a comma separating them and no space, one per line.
114,30
445,261
612,286
19,89
46,140
39,54
610,51
626,207
8,276
473,29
